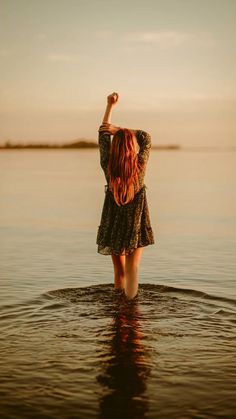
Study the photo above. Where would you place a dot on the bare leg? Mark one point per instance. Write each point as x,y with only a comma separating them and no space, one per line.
131,272
119,270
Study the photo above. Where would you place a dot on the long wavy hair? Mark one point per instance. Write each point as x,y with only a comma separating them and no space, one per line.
123,166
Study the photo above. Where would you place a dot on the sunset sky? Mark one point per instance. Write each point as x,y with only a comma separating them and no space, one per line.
172,62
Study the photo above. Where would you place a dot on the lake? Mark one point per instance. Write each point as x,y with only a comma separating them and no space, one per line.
73,346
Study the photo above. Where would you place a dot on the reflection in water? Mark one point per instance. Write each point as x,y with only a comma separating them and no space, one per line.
89,352
125,366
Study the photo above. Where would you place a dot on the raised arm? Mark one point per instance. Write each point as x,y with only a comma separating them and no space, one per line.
107,129
145,142
104,136
111,101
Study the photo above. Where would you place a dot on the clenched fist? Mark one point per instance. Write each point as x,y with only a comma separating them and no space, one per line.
112,98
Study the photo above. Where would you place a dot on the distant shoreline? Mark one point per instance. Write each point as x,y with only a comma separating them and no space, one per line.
75,145
85,144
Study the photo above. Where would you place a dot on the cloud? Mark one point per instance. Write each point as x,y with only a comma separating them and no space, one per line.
168,39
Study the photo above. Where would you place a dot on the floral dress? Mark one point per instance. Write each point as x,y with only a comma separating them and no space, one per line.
124,228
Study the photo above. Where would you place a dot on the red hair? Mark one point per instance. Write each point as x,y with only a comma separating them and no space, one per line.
123,166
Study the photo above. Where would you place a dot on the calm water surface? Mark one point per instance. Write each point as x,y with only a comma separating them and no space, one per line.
71,345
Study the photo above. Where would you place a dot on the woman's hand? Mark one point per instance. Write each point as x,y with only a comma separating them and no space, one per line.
112,99
108,128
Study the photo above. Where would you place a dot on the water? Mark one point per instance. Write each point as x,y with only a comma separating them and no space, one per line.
71,345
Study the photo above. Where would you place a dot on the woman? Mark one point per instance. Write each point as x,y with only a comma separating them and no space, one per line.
125,223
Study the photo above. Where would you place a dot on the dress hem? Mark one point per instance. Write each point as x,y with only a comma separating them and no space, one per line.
117,253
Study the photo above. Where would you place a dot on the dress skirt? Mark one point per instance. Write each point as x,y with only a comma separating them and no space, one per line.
124,228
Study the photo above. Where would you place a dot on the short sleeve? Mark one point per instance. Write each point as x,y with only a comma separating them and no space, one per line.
145,143
104,141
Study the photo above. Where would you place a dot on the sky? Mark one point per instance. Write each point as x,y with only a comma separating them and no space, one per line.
173,63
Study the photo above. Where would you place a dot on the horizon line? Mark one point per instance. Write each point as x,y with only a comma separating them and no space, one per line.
84,143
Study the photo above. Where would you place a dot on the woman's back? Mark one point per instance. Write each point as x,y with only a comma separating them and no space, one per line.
126,227
144,143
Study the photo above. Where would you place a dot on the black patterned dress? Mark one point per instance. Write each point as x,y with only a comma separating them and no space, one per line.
124,228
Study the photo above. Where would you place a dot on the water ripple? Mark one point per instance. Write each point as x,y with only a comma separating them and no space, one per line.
91,352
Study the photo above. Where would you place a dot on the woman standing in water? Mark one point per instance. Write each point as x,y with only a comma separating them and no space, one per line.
125,227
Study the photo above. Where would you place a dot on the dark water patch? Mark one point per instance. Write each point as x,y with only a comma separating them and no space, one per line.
91,352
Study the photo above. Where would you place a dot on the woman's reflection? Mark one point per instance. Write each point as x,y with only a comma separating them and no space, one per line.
126,370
